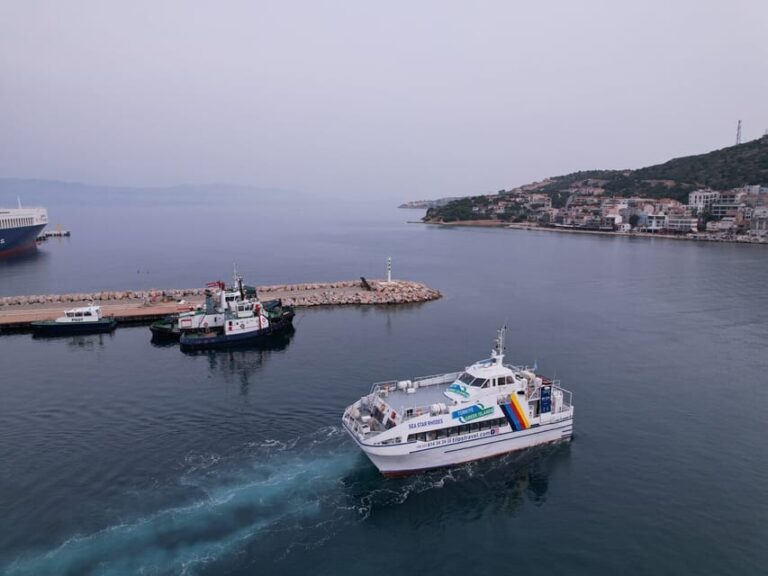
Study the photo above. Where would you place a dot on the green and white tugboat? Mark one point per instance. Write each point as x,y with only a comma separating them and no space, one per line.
245,321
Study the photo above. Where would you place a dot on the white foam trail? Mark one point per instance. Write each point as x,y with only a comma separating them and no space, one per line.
310,488
287,486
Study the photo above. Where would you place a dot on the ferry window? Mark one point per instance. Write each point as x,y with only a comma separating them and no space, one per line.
442,433
421,436
466,379
87,314
474,427
453,431
464,428
480,382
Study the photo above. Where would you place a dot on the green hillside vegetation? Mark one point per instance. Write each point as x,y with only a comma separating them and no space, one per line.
720,170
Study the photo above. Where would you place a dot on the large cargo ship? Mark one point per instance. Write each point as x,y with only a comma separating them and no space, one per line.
19,228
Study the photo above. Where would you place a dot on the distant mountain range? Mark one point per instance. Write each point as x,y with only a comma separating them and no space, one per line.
723,169
56,192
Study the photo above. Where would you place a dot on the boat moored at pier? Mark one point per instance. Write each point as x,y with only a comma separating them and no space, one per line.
84,320
489,409
244,321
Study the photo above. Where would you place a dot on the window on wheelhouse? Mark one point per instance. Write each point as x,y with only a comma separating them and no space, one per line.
480,383
466,378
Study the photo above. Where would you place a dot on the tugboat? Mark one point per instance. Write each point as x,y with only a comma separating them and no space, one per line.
487,410
85,320
169,328
208,317
245,321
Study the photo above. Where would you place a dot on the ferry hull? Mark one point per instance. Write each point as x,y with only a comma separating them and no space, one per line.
14,241
403,460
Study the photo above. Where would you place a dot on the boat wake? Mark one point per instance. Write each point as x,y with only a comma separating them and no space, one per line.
265,500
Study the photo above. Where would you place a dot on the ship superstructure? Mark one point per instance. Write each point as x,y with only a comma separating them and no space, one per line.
430,422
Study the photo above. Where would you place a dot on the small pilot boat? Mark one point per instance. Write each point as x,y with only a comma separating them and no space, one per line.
85,320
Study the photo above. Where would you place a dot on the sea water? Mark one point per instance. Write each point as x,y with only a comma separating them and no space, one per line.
120,457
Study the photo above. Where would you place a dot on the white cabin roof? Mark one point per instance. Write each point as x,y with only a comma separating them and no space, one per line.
86,309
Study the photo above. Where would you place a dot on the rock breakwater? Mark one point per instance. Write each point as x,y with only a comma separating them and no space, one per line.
300,295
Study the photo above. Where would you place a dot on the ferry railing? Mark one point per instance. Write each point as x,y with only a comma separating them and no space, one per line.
391,385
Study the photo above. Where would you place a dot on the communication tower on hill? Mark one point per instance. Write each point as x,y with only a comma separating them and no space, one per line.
738,133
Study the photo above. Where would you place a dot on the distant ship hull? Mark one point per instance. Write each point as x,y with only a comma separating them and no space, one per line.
19,229
19,240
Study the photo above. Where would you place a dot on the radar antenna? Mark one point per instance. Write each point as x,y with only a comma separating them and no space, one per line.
498,352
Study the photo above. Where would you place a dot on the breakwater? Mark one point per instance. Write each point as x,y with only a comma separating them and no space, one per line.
129,306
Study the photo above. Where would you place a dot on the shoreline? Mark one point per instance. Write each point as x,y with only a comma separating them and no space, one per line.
529,227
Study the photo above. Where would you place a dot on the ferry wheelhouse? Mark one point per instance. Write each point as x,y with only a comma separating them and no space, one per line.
489,409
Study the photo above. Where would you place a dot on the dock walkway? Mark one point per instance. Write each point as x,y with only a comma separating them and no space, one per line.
129,307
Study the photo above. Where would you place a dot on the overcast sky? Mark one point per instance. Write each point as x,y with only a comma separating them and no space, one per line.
404,99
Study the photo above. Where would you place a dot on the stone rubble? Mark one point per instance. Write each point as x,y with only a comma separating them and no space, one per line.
331,293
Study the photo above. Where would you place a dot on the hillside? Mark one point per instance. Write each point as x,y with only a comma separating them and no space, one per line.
720,170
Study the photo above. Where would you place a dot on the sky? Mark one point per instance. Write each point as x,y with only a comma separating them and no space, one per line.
395,99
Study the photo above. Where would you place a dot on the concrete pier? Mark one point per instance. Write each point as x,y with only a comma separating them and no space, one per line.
17,312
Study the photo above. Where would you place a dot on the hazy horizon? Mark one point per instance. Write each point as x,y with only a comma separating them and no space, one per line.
399,101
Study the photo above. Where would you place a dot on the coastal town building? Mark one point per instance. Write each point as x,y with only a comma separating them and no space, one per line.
712,214
700,200
759,222
656,222
682,224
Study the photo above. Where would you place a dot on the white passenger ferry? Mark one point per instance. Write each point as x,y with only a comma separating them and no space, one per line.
437,421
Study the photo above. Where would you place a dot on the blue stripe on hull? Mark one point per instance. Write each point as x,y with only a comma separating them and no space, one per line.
14,240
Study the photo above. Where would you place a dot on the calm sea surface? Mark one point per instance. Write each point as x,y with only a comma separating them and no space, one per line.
119,457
